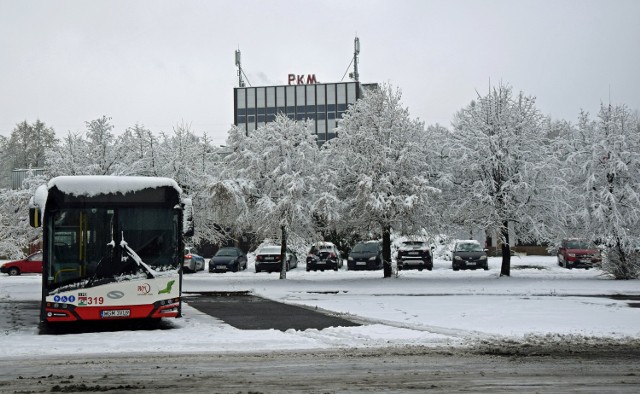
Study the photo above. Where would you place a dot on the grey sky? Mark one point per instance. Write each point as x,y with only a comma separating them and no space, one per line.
159,63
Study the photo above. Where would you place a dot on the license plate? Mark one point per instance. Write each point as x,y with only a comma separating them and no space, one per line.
116,313
269,258
221,267
321,262
414,253
361,263
470,263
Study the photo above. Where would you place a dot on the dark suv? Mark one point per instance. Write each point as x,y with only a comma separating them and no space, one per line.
578,253
322,256
414,254
469,254
366,256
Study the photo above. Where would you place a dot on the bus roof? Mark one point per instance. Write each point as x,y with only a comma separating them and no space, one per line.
94,185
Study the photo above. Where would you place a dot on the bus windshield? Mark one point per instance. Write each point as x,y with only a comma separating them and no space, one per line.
85,243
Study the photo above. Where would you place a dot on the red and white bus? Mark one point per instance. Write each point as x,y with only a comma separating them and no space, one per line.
112,247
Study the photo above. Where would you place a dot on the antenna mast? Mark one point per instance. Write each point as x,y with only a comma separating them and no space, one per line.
356,52
240,72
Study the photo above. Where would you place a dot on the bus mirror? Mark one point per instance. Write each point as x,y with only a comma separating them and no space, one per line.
188,229
187,223
35,217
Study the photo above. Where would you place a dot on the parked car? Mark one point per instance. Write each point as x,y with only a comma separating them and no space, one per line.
322,256
268,259
365,255
578,253
414,254
469,254
228,259
192,260
30,265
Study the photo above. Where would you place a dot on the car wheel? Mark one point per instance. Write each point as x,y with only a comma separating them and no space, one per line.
455,268
14,271
236,268
486,267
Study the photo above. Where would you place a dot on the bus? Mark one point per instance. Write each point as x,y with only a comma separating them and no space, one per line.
112,247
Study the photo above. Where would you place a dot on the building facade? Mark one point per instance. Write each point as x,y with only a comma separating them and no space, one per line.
322,103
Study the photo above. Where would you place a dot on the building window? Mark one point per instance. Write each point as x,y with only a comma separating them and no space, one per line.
241,97
251,98
331,94
311,95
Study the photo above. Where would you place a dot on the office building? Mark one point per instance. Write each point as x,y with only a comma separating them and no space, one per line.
323,103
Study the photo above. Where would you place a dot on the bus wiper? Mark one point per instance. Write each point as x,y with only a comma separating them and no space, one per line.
112,244
136,258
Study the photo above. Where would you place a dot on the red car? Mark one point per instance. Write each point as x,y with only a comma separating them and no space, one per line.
31,265
578,253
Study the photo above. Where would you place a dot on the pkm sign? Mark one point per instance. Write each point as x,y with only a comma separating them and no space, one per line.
295,79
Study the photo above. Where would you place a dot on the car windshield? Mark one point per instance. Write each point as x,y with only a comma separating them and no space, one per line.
412,244
270,250
227,252
580,244
365,248
469,247
320,248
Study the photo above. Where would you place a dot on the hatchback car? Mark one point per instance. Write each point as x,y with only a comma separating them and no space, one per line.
268,259
228,259
578,253
469,254
365,255
192,261
414,254
322,256
30,265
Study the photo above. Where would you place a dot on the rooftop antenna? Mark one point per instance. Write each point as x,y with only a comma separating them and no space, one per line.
239,65
240,71
356,51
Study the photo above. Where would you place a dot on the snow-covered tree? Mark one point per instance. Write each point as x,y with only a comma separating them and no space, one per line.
15,232
498,156
189,159
380,161
269,183
139,148
603,159
96,152
25,148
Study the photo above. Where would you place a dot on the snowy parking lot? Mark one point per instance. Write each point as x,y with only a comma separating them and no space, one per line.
540,302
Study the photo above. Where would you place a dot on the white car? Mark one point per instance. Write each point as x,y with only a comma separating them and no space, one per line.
193,262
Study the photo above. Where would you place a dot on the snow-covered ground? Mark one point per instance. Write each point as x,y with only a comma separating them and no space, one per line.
539,302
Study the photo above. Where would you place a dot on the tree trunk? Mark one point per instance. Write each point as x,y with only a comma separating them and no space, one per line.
283,253
506,250
386,250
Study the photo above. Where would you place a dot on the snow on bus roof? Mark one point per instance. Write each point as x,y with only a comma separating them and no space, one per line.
93,185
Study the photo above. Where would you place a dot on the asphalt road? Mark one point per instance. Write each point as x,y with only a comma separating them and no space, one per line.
248,312
365,371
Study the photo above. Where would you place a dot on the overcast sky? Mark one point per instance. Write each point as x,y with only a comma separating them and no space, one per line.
159,63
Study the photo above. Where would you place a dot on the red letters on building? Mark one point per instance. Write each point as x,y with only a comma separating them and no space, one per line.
300,79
